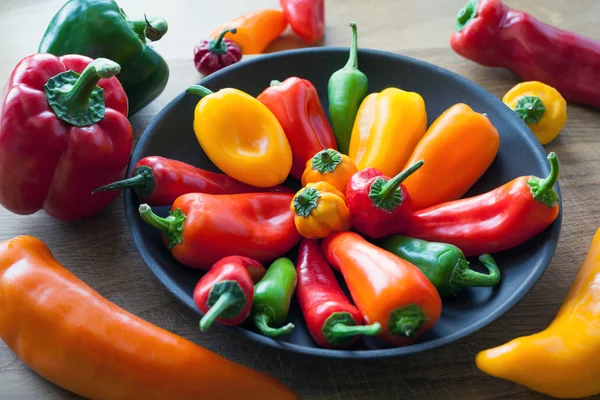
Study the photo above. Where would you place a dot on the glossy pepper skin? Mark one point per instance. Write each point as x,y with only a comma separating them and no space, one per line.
320,210
460,142
494,221
272,298
295,102
540,106
255,149
346,89
490,33
385,288
203,228
563,360
213,55
224,294
379,206
443,264
255,30
63,132
254,268
306,17
329,166
388,126
159,181
102,29
332,320
77,339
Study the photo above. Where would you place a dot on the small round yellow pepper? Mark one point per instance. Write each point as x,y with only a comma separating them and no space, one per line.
329,166
540,106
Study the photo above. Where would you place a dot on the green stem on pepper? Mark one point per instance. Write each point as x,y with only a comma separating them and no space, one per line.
171,226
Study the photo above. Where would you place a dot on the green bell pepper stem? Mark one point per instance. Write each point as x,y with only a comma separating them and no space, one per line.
199,91
152,29
465,277
262,324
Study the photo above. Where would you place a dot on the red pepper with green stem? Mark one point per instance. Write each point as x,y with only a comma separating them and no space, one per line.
332,320
213,55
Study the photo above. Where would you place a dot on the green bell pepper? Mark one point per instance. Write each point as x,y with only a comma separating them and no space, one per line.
100,29
443,264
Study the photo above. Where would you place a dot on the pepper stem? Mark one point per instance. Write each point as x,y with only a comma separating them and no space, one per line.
275,82
171,226
326,161
152,29
543,189
342,330
530,109
406,321
78,98
463,277
466,14
386,194
353,57
142,182
218,46
225,301
199,90
262,324
393,183
305,201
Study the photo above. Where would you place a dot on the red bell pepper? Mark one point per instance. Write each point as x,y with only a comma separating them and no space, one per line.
306,17
213,55
295,102
331,319
203,228
62,134
492,34
158,181
379,206
224,294
494,221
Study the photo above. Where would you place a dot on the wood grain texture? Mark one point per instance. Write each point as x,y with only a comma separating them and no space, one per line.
99,249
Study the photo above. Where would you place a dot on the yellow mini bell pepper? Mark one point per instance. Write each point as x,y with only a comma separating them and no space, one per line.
241,136
541,106
387,128
320,210
563,361
329,166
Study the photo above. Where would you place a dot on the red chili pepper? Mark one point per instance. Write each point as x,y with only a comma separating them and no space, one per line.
306,17
492,34
213,55
379,206
158,181
255,269
224,294
331,319
494,221
295,102
62,134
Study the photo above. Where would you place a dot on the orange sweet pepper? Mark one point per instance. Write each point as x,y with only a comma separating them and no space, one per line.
457,149
329,166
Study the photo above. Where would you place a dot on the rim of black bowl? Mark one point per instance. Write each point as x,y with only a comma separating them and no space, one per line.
391,352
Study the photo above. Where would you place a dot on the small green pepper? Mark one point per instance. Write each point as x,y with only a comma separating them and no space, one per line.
443,264
272,297
346,90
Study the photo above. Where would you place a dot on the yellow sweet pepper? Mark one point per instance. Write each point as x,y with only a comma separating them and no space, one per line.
241,136
386,130
563,361
329,166
320,210
541,106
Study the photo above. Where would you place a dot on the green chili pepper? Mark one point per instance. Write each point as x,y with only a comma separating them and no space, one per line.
346,90
443,264
272,297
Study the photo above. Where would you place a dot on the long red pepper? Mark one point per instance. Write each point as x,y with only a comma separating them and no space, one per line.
332,320
158,181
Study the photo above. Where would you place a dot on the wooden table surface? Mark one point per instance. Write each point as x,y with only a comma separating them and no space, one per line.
100,251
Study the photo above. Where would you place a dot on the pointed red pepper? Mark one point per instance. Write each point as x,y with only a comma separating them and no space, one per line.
379,206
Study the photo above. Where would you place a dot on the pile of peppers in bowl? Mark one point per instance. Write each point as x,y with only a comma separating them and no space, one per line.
372,207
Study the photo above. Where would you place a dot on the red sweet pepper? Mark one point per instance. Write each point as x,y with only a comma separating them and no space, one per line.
379,206
494,221
213,55
306,17
492,34
158,181
62,134
203,228
295,102
331,319
225,293
255,269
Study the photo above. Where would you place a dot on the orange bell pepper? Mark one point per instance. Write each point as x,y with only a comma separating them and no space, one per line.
457,149
387,128
255,30
329,166
72,336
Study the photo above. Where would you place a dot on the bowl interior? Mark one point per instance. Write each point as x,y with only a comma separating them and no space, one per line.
171,135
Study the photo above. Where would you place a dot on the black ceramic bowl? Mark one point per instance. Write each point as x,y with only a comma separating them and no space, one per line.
171,135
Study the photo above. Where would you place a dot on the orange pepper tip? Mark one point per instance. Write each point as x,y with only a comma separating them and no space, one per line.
171,226
407,321
326,161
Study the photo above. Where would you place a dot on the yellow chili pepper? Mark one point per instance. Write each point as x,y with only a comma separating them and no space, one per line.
329,166
387,128
562,361
241,136
541,106
320,210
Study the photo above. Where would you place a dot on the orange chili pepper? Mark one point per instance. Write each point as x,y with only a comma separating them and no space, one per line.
72,336
255,30
457,149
